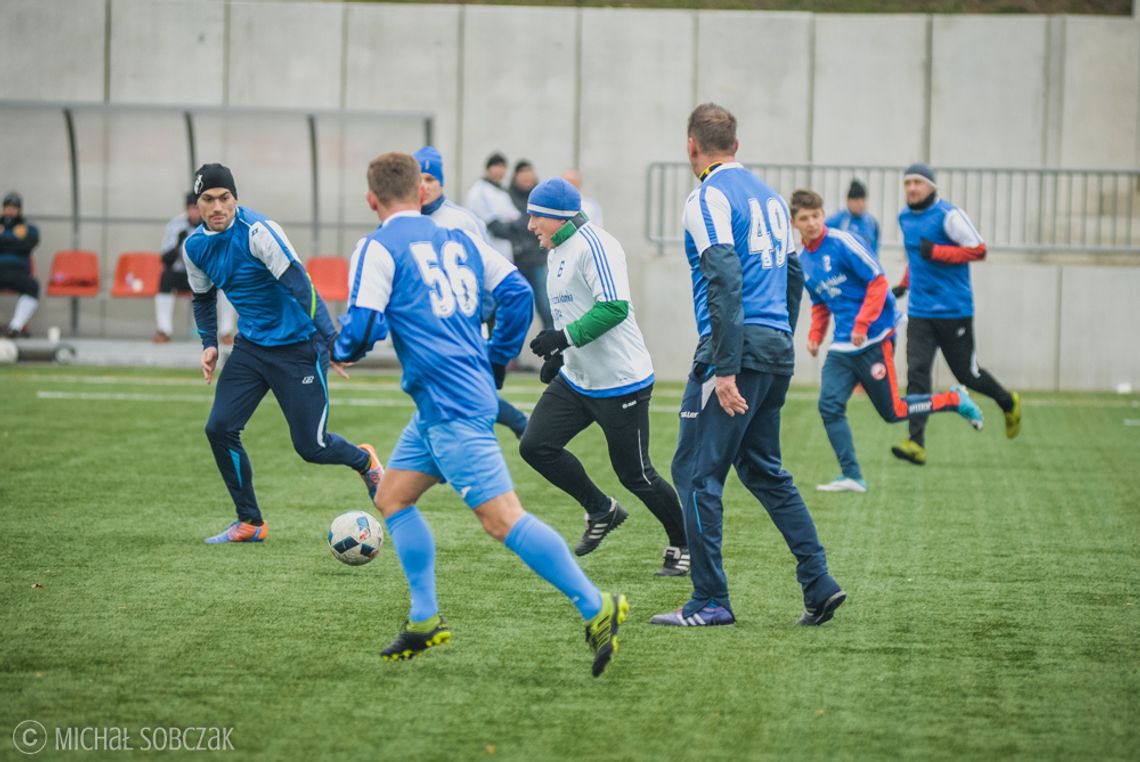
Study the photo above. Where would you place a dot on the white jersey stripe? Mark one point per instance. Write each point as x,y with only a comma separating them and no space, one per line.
602,263
857,249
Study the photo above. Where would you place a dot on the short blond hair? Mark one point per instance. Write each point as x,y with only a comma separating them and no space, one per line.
393,177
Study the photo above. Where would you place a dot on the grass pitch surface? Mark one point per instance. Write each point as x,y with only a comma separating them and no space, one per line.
992,609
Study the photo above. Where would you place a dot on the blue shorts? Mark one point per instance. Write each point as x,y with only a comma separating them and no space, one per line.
463,452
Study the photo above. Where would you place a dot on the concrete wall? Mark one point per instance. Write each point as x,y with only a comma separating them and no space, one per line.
605,89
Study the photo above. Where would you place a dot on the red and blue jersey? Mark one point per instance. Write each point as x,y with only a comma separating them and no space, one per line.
940,286
735,207
846,280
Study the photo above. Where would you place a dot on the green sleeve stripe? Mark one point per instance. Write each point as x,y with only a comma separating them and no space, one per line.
600,318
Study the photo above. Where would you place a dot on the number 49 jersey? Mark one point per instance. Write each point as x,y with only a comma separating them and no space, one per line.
735,207
426,283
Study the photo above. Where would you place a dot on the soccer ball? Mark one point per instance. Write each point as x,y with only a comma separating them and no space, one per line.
355,537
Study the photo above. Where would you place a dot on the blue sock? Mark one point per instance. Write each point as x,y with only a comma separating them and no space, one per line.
415,547
548,556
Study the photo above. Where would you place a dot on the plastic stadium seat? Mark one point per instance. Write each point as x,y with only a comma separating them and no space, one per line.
74,273
330,276
137,274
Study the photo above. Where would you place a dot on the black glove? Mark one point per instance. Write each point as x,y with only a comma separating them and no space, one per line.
898,291
550,368
926,249
500,374
549,343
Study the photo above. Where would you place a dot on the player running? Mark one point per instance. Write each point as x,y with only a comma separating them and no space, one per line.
424,283
598,370
282,345
941,242
844,279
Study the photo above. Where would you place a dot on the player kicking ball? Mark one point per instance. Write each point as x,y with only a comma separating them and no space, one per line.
843,278
425,284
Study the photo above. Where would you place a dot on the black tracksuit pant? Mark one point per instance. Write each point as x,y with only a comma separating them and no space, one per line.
955,337
562,412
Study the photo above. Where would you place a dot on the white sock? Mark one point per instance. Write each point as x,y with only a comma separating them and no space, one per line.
25,308
164,313
227,318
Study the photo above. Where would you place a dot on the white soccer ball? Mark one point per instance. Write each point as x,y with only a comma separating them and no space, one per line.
9,353
355,537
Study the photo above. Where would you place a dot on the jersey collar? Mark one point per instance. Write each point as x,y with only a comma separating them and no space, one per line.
405,213
813,246
570,228
715,167
429,209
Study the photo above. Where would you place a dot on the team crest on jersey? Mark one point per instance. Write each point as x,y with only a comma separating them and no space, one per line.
878,371
307,380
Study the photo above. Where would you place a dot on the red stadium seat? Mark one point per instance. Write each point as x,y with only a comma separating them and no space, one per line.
330,276
74,273
137,274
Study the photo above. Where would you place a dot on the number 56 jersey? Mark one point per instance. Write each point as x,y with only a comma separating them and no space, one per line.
733,206
425,283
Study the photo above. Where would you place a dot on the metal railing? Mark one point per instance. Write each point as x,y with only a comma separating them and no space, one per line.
1039,210
316,139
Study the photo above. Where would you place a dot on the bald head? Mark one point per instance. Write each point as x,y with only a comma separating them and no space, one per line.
574,177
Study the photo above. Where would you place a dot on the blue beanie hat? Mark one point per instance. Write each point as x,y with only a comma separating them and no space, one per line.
554,198
431,162
920,171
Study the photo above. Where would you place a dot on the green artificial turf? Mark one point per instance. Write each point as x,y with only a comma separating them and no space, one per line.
992,610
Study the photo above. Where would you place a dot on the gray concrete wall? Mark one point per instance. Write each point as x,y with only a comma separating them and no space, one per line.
605,89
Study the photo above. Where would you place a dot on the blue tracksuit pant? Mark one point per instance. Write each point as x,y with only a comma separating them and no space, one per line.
295,373
874,368
710,442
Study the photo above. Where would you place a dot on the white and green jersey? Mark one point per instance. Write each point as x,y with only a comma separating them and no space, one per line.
588,286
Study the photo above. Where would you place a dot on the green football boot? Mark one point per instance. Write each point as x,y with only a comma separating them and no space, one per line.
910,450
602,630
417,637
1013,418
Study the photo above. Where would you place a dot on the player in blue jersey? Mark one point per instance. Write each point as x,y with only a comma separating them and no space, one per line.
423,283
448,214
845,279
941,242
284,333
856,219
747,286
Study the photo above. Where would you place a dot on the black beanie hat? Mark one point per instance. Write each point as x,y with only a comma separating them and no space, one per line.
13,199
495,158
213,176
857,190
191,199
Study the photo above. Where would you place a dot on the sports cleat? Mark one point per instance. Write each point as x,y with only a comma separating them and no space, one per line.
375,470
967,408
410,643
597,530
843,484
676,562
1013,418
824,612
910,450
240,531
709,616
602,630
